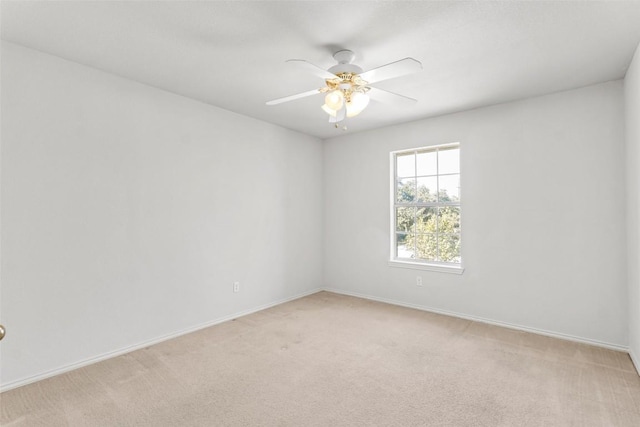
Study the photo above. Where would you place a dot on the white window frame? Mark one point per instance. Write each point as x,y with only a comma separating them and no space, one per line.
444,267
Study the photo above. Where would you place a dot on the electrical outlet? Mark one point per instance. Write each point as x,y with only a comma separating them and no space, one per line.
418,280
236,286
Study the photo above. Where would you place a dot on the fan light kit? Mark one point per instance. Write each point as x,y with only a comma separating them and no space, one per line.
348,89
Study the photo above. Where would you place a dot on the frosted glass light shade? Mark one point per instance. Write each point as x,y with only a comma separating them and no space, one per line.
359,102
334,99
328,110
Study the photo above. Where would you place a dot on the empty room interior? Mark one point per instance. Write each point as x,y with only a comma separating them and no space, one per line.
320,213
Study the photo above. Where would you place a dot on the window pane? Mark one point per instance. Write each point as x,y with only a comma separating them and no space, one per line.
403,248
426,211
449,219
427,163
405,219
449,160
426,220
449,247
427,247
406,190
406,165
449,188
427,189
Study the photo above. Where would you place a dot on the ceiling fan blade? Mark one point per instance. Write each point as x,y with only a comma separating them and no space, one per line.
292,97
302,64
395,69
391,98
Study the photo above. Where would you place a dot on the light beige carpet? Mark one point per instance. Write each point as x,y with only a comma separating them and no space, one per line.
333,360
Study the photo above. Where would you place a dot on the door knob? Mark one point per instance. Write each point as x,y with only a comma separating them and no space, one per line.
2,332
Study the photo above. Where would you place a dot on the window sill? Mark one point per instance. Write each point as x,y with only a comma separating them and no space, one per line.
427,267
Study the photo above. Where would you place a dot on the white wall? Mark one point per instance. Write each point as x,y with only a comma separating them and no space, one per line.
128,212
543,215
632,113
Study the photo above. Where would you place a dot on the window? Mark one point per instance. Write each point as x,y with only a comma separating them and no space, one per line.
426,208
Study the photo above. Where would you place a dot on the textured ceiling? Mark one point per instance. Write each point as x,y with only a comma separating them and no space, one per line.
232,54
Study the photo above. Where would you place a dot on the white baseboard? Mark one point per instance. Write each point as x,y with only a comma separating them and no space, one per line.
129,349
635,360
488,321
115,353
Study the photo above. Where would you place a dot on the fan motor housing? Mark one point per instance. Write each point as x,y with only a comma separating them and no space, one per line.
345,68
344,58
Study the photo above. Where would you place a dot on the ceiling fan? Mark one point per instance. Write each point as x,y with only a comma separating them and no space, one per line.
348,89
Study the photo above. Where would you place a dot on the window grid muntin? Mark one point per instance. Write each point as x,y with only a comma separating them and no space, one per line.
419,205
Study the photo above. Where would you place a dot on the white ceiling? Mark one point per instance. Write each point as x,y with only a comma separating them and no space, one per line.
232,54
